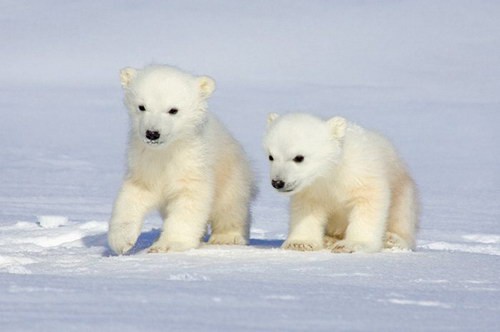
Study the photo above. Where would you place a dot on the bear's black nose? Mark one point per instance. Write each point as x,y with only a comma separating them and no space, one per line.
278,184
152,135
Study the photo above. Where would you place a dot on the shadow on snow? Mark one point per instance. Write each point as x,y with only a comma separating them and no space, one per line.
146,239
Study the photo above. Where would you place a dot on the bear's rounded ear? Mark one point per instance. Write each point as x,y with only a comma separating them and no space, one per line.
271,117
207,86
337,126
127,75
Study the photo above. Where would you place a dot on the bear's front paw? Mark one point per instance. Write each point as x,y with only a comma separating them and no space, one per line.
344,246
122,238
229,238
302,245
166,246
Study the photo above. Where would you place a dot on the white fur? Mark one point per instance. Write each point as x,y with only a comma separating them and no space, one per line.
194,173
350,193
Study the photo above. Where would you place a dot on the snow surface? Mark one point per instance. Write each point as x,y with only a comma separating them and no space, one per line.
425,73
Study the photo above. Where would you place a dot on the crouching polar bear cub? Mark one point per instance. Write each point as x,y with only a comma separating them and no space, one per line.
350,190
181,161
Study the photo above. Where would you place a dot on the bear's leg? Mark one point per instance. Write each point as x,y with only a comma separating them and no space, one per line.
335,229
307,226
230,219
230,225
403,217
131,206
367,221
186,218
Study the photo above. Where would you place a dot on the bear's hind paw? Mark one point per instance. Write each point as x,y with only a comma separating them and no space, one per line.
302,245
228,239
346,247
160,247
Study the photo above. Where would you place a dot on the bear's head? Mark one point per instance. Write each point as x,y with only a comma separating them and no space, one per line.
165,103
301,148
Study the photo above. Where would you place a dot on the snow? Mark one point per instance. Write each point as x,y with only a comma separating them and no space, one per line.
424,73
52,221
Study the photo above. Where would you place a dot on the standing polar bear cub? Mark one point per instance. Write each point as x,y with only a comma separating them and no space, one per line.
181,161
350,190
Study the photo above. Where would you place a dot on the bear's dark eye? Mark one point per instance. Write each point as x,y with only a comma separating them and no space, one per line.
271,158
173,111
141,108
298,159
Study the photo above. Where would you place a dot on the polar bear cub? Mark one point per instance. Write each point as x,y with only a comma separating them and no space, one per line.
182,162
349,189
